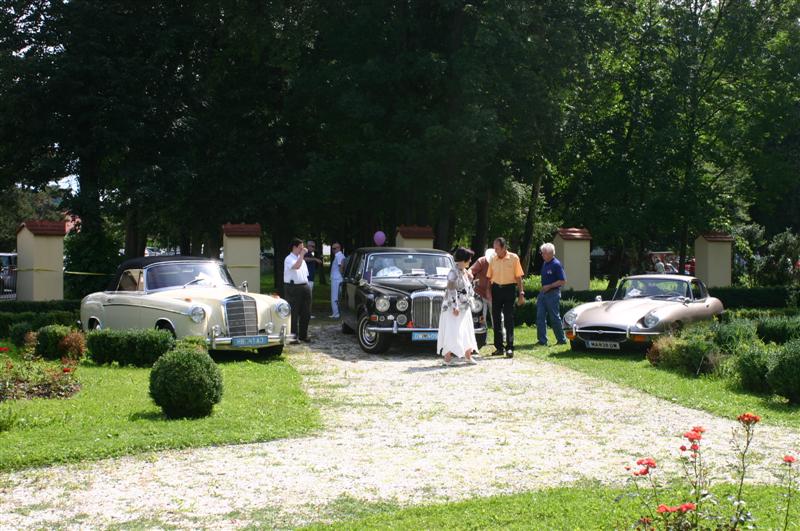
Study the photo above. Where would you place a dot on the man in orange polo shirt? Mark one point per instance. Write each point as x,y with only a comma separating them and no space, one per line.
505,274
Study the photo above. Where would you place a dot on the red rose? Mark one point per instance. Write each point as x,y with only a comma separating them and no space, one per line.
695,447
686,507
666,509
693,436
683,448
789,459
749,419
3,349
66,369
699,429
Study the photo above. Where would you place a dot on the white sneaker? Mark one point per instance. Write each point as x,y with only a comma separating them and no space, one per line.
334,317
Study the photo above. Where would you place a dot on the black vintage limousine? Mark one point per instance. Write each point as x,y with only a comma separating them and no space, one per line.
389,292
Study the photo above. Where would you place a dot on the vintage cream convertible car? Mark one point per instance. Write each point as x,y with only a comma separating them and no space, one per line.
643,307
189,296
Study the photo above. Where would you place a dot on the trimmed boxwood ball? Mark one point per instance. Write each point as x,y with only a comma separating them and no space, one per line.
186,382
784,372
48,340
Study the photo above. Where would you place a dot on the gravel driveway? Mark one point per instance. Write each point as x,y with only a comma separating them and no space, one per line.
399,429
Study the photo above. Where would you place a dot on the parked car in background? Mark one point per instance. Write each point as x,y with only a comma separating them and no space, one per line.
391,292
643,308
8,272
189,296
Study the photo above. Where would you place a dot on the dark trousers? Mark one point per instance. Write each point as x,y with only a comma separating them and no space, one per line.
503,300
299,298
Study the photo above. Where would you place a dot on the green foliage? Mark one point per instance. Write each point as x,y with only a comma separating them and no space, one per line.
20,204
762,297
692,352
757,314
731,335
196,342
129,347
89,253
779,329
36,319
751,364
186,383
18,331
526,314
21,379
49,339
784,371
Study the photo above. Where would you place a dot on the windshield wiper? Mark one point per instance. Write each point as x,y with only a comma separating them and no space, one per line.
198,279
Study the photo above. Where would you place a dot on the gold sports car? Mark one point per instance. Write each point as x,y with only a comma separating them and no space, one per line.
643,307
189,296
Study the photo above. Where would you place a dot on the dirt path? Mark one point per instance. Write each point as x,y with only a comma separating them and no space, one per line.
399,429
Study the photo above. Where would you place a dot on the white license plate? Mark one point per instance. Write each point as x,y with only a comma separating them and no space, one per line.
424,336
250,341
610,345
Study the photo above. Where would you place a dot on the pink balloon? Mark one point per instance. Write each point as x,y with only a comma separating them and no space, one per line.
379,238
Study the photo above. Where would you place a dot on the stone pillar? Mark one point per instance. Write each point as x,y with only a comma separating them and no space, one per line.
572,249
40,261
242,247
414,237
713,253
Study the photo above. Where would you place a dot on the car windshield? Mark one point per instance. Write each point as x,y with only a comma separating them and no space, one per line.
654,288
407,265
179,274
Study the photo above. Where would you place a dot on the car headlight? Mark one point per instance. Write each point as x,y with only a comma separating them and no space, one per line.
382,304
197,314
650,320
283,309
570,317
402,305
476,304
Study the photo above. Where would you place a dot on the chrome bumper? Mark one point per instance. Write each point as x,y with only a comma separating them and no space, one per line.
627,333
395,329
280,338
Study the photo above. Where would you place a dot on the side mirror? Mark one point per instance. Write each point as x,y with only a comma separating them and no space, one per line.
598,298
243,287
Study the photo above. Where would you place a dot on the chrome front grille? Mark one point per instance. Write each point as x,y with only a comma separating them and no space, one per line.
241,314
602,333
425,308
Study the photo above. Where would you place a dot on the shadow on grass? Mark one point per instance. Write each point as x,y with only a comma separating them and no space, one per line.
232,356
622,355
774,403
147,415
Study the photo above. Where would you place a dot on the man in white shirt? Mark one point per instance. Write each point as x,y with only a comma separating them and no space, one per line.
337,270
297,290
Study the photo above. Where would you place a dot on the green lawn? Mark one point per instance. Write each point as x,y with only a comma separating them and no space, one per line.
712,394
113,415
587,507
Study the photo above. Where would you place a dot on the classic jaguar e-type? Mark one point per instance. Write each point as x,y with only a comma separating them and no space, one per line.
643,307
392,292
189,296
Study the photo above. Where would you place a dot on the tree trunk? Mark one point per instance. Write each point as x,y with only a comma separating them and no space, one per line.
197,242
526,248
479,239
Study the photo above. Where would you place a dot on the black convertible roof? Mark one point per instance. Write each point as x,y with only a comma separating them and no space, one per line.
144,261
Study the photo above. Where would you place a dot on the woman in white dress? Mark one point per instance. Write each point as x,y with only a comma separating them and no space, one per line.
456,331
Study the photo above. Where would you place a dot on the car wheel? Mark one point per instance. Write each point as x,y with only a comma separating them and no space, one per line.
346,328
480,339
94,324
577,345
271,352
371,342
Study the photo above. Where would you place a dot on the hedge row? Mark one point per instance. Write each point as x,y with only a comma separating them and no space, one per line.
36,319
526,314
71,305
129,347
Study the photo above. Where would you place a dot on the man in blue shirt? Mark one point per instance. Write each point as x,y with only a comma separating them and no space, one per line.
549,300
